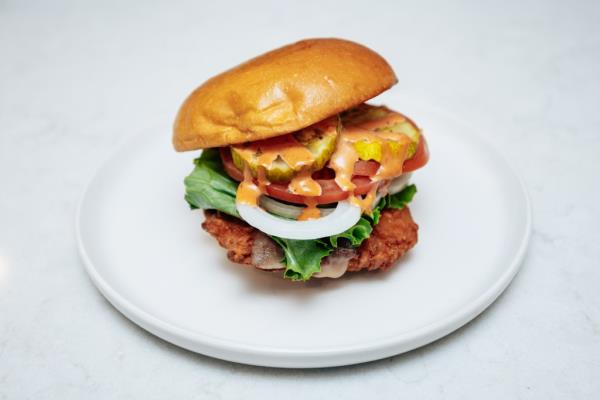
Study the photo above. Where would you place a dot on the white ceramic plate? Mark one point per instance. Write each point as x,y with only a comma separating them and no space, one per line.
146,252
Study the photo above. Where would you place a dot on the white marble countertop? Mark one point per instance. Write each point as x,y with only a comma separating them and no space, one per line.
77,79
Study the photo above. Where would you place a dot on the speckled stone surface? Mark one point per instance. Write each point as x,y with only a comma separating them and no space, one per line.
77,79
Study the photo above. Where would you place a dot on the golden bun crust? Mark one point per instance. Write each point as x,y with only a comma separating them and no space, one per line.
280,92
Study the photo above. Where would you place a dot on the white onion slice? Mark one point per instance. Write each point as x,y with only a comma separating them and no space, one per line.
286,210
395,186
399,183
343,217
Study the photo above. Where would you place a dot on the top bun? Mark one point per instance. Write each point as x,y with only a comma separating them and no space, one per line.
279,92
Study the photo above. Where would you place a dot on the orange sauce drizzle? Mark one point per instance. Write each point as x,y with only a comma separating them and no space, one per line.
304,185
267,151
343,159
392,162
365,203
248,192
394,148
261,176
310,211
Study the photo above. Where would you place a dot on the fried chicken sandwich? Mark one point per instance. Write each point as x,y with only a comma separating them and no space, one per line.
298,174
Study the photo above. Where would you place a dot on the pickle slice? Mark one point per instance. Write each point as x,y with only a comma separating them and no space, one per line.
320,140
282,157
363,113
369,150
408,129
278,171
381,119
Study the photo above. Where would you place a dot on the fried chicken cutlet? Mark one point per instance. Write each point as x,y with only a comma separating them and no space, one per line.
395,234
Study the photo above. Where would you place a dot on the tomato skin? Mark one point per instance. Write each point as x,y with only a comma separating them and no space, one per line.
332,193
420,158
366,168
228,165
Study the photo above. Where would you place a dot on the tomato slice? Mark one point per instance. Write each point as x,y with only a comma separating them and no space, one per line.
331,192
229,166
366,168
420,158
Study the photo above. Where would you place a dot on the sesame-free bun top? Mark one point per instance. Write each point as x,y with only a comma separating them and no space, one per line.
279,92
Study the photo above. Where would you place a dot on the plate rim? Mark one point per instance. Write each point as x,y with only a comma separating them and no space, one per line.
259,355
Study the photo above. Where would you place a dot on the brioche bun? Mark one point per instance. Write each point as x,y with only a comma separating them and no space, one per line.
280,92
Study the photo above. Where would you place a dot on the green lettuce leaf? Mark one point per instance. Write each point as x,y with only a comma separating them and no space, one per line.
363,228
209,187
354,235
302,258
402,198
397,200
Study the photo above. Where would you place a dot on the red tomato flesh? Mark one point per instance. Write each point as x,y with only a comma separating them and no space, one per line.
331,192
420,158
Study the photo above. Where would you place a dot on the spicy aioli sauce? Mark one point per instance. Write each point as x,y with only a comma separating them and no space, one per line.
394,149
248,192
365,203
295,155
304,185
267,151
392,160
393,145
310,211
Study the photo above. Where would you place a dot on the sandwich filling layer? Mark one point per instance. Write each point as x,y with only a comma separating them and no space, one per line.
319,193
